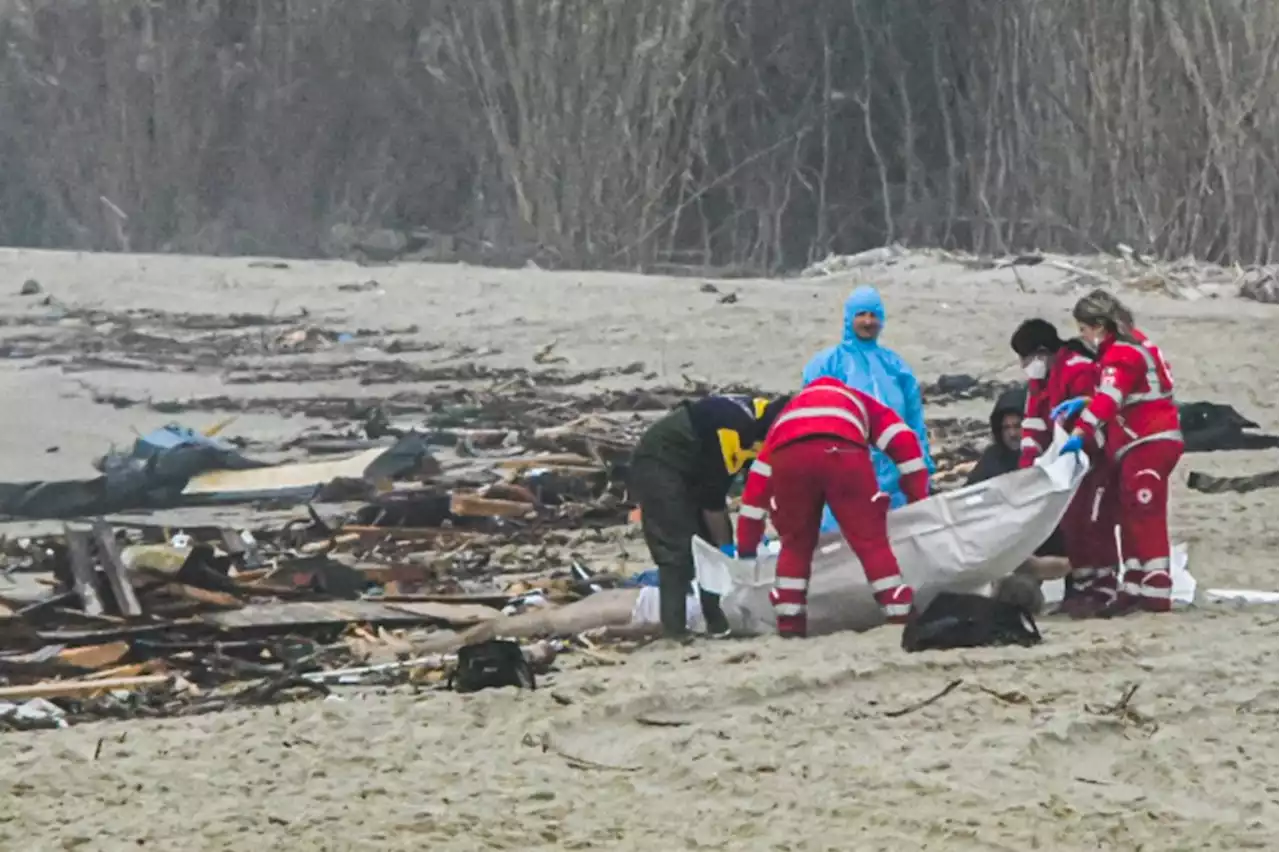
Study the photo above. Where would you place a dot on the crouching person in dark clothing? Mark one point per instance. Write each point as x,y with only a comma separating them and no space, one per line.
680,476
1002,456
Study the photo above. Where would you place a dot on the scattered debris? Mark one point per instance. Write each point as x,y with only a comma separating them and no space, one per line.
1211,426
1124,713
176,466
1207,484
919,705
1260,286
368,285
1126,269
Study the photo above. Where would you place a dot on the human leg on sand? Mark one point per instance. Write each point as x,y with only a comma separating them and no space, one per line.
1143,496
797,516
1089,536
862,510
669,519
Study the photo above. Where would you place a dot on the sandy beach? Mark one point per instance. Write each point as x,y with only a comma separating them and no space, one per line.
742,745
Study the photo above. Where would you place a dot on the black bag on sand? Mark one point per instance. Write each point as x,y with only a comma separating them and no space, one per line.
968,621
496,663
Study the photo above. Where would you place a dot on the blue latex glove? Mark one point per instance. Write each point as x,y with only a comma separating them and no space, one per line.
1074,444
1068,408
729,550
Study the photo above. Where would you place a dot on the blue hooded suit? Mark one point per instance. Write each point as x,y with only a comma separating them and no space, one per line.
879,372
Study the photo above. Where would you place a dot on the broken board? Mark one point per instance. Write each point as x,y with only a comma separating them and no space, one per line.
334,613
279,481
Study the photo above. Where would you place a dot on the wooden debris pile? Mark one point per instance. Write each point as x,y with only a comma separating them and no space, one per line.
1123,269
140,622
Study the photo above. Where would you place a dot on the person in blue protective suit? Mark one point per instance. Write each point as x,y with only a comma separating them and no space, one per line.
861,362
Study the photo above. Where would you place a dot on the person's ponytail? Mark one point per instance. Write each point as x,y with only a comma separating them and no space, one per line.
1103,309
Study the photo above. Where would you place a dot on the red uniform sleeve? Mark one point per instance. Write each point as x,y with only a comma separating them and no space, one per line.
1037,431
895,438
1118,377
1081,380
755,504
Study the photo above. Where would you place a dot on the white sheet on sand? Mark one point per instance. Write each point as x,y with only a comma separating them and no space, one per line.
1243,596
960,540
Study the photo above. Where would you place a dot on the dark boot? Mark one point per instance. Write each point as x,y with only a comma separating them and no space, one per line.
671,605
717,623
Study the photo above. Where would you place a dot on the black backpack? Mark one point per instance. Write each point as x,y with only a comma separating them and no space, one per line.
968,621
496,663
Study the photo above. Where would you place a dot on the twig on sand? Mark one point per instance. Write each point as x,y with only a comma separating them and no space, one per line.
545,742
911,708
1123,712
659,722
583,763
1010,697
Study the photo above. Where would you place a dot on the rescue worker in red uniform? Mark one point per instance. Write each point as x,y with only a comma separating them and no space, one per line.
817,452
1058,371
1132,418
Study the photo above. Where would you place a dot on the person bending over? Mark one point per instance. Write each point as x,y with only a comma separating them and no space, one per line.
679,476
819,452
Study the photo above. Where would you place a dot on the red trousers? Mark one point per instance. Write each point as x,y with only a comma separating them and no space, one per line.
1088,530
807,475
1140,482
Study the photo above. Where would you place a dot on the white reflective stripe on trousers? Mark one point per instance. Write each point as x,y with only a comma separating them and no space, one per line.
886,583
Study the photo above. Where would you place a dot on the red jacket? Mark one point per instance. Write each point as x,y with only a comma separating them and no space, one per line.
1071,375
1134,401
828,407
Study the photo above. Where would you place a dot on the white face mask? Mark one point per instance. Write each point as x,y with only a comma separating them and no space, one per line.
1037,369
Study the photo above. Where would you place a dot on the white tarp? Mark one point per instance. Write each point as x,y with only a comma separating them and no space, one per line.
960,541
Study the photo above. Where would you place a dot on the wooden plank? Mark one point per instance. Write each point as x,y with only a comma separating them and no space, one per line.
79,688
474,506
330,543
550,460
207,597
80,555
266,482
129,670
94,656
435,534
117,574
299,613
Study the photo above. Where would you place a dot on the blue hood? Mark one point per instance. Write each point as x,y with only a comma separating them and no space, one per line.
861,301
